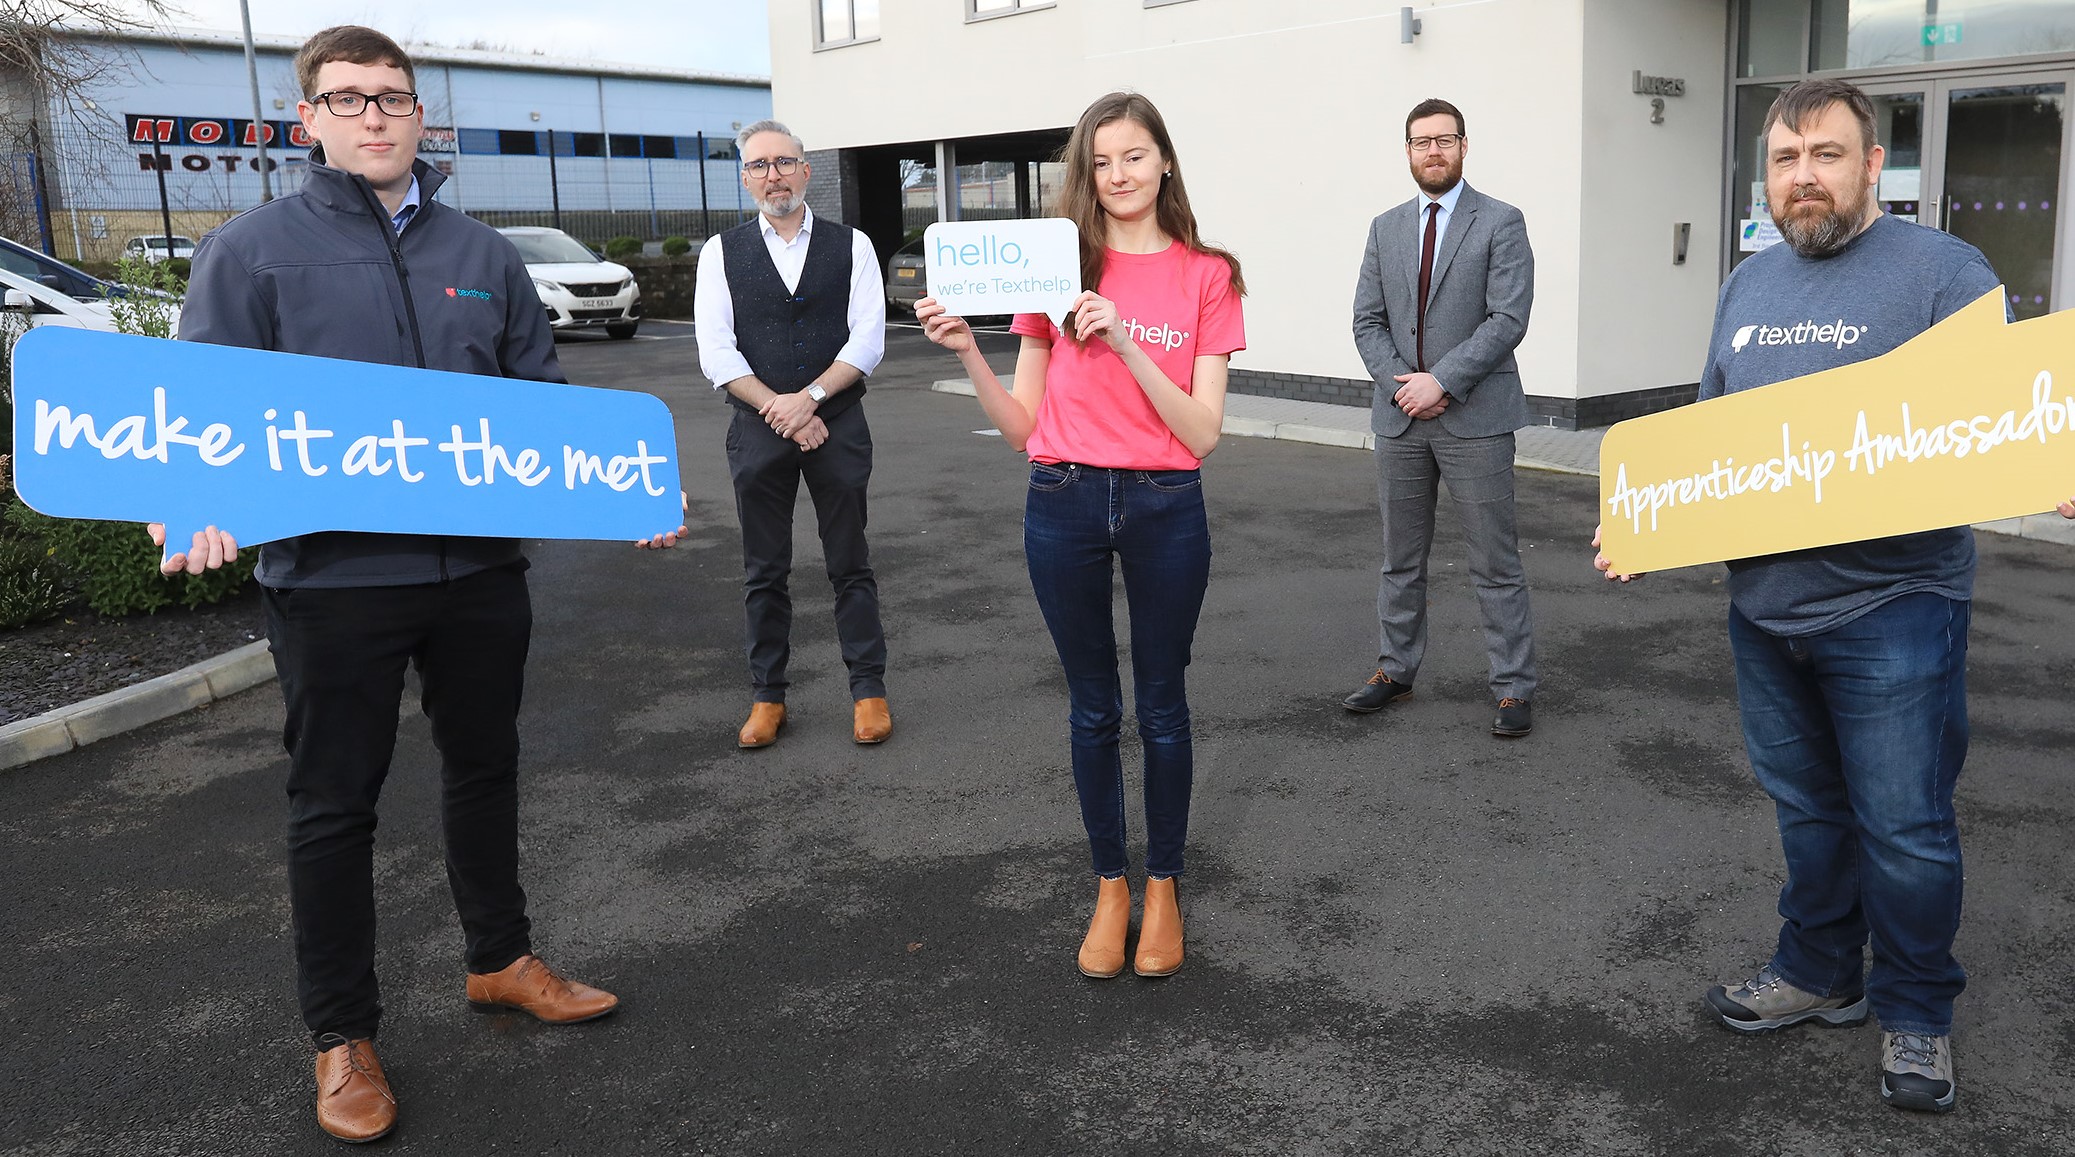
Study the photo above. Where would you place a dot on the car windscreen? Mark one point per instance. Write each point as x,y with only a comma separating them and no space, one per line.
550,248
57,275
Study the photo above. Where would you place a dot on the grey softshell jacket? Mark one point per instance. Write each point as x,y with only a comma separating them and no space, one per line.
320,271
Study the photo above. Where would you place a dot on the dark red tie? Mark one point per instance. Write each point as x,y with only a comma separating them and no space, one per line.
1426,278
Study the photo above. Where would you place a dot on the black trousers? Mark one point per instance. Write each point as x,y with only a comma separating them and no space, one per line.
767,470
341,656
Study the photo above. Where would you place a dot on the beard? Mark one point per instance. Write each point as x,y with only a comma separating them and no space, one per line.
1435,184
1824,232
781,204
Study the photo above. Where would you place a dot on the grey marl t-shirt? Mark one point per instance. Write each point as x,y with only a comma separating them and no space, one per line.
1782,315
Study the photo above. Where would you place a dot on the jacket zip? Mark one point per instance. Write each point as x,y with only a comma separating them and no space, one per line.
410,307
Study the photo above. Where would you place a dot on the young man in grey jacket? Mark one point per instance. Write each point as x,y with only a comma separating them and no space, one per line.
361,264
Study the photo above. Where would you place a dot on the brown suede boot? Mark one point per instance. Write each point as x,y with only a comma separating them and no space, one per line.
762,728
1159,932
1102,952
354,1103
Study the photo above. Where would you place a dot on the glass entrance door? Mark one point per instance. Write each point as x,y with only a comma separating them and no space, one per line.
2004,159
1985,158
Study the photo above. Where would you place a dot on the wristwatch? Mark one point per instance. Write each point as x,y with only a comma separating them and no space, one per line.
817,393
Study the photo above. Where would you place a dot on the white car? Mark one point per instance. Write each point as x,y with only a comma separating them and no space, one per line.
157,247
580,289
42,305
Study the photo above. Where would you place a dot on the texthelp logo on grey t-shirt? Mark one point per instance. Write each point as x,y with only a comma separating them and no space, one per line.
1839,333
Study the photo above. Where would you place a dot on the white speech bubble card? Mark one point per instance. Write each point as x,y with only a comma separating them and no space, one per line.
976,268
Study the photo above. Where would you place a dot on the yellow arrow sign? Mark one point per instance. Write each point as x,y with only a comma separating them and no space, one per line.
1972,420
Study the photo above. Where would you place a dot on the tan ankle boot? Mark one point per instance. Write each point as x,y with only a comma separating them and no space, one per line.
1159,932
1102,952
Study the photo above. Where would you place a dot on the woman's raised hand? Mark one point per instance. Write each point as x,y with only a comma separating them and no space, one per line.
1094,315
942,328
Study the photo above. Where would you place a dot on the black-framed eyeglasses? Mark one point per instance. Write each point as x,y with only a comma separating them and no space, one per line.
786,166
352,104
1446,141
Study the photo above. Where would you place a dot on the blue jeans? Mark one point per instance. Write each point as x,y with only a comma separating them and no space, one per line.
1858,734
1153,522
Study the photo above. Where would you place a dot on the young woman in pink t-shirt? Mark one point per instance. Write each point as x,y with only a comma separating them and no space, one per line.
1116,415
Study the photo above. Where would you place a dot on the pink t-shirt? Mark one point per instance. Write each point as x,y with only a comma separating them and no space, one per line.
1178,305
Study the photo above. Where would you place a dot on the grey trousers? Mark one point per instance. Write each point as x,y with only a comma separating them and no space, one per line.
1479,474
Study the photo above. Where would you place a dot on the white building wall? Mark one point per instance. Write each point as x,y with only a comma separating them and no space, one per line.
1288,119
1642,321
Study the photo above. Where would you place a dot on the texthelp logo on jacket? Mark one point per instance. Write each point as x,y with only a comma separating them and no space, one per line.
1837,333
484,294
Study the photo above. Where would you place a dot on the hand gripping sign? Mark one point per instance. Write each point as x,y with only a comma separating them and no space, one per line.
1970,421
986,267
270,445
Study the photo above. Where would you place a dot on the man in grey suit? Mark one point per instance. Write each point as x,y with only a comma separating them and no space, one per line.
1443,300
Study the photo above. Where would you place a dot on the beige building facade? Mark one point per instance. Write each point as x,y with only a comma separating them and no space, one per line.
1625,130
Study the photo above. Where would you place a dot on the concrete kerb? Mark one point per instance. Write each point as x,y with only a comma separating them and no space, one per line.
127,708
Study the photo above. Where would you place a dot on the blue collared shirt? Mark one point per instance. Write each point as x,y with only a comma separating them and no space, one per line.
1446,201
409,208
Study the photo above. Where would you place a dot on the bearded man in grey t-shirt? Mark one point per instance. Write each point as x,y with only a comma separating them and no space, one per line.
1851,659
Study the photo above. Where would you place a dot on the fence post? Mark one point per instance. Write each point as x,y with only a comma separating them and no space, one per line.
554,181
159,162
654,230
705,216
50,242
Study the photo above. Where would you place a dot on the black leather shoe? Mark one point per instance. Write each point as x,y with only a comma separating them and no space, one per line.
1376,694
1516,718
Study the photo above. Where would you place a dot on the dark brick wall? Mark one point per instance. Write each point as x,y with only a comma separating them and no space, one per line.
832,194
1561,413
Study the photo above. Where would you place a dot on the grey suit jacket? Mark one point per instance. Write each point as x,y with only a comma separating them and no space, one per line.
1478,297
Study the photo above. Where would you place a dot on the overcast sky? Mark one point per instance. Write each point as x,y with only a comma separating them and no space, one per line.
704,35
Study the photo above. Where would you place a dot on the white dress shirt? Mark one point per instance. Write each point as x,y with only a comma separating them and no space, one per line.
713,306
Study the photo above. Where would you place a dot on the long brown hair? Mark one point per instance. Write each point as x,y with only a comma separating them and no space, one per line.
1084,206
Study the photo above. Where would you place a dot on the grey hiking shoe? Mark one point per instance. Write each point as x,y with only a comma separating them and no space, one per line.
1916,1072
1765,1001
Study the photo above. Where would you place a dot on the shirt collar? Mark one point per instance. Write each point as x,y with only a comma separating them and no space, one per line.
1446,200
409,208
806,226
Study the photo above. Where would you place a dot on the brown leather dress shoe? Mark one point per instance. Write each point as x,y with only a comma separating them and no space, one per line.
762,729
529,985
1102,951
871,722
354,1103
1159,932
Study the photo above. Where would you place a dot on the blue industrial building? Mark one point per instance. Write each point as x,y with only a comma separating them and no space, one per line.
167,130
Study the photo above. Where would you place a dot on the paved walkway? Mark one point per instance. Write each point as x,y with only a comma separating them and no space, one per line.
1538,447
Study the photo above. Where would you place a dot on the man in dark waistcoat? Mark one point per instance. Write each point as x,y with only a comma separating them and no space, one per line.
791,317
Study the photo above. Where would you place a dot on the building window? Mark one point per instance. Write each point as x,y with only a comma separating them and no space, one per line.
518,143
988,9
841,22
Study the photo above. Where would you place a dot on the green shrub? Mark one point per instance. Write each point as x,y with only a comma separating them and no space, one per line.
623,247
676,246
180,267
114,566
148,310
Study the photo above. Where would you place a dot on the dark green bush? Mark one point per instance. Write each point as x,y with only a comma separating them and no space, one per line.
623,247
676,246
114,566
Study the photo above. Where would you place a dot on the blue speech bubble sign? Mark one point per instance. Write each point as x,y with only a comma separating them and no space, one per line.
268,445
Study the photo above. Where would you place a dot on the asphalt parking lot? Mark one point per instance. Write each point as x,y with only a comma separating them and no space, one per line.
1405,936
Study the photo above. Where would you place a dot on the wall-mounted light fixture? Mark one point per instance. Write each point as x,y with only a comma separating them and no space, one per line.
534,115
1408,25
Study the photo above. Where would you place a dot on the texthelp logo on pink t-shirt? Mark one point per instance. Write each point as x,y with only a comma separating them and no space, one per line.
1165,336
